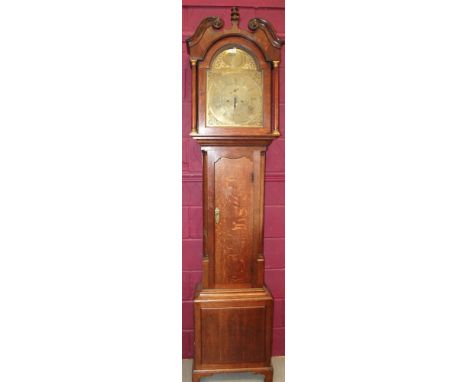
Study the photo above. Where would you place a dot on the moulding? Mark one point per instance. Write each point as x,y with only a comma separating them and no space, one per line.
188,34
269,177
279,4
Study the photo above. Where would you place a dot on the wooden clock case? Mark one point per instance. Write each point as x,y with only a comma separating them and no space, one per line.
233,308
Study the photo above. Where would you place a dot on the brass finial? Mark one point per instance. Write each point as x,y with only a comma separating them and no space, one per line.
234,15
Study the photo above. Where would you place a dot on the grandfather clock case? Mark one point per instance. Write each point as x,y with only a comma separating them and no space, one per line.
235,116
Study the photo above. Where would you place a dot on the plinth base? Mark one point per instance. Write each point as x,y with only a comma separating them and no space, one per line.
266,371
233,332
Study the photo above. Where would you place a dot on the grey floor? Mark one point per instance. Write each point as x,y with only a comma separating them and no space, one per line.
278,375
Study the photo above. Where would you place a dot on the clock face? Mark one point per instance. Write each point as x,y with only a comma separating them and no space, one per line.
234,90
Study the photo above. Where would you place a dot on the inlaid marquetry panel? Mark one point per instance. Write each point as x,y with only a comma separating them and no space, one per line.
234,229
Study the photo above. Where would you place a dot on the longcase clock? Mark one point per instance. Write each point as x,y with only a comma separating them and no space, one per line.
235,116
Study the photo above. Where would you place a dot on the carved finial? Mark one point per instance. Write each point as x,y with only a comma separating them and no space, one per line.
234,15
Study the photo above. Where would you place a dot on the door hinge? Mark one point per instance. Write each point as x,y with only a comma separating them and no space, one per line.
252,177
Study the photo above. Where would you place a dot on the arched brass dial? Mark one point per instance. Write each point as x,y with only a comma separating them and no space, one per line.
234,91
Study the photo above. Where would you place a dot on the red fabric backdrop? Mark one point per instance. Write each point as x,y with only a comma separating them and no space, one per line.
193,12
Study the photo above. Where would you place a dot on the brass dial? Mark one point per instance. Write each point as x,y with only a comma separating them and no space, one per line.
234,91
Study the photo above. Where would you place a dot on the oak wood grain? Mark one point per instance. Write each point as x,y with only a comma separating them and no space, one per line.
233,309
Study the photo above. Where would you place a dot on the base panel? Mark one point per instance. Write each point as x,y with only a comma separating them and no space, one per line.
233,331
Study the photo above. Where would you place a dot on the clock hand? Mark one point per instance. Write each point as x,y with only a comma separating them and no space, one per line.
235,102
